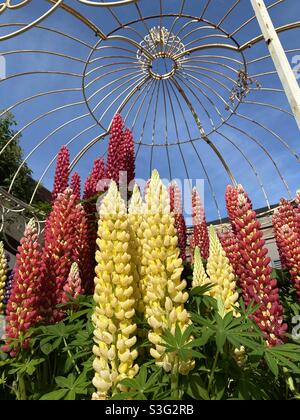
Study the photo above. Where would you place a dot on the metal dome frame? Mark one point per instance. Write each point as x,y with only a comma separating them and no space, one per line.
194,87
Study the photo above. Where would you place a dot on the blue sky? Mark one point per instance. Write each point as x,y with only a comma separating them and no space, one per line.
260,144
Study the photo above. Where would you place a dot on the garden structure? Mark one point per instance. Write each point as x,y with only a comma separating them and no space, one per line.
159,127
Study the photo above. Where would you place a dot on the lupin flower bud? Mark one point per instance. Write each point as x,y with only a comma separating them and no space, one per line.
200,277
3,275
256,277
221,275
290,246
76,185
61,179
115,329
23,308
115,158
136,247
166,292
73,286
180,225
200,226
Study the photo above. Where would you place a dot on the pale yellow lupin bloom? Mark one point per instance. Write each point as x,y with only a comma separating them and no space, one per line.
115,330
200,278
221,274
135,214
3,274
165,291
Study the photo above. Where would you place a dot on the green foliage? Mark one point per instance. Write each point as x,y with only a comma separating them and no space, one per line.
58,365
11,159
232,361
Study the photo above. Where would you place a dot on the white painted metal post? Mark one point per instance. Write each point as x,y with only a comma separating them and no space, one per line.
283,67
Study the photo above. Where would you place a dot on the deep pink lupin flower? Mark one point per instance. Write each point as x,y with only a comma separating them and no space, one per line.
23,308
176,208
231,198
76,185
115,159
88,188
201,237
98,174
92,181
61,179
257,284
284,215
278,223
91,191
129,156
231,247
86,260
297,211
290,246
60,252
73,285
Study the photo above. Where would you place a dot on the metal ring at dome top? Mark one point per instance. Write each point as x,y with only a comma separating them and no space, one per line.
108,3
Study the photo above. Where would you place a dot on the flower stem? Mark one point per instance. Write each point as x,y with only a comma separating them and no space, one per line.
212,374
71,356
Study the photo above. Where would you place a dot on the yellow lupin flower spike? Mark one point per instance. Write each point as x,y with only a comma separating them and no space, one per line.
221,274
200,278
114,333
165,291
135,213
3,274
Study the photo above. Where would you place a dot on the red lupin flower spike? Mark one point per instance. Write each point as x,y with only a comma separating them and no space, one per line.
90,194
76,185
297,211
290,246
115,159
231,247
129,156
201,238
60,252
61,179
180,225
24,304
257,284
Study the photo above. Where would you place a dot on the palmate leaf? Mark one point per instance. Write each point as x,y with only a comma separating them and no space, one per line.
237,331
286,355
70,386
141,385
28,367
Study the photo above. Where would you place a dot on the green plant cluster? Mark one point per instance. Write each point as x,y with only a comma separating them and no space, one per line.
59,363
